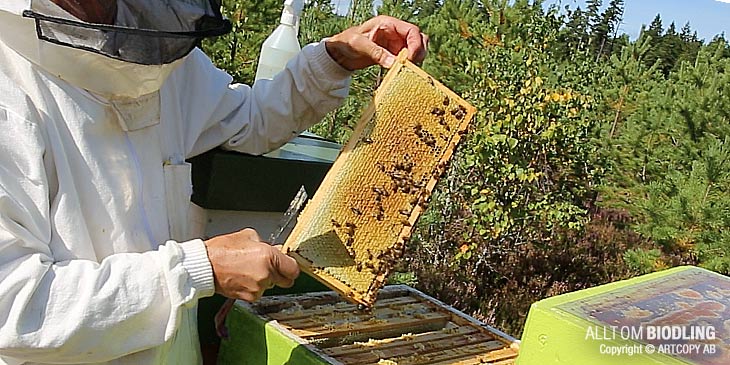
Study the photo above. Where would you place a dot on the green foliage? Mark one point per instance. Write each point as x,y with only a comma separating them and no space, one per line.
518,191
592,30
528,155
238,51
403,278
668,153
670,49
642,261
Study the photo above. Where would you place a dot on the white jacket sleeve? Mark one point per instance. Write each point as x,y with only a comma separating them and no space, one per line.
78,311
253,120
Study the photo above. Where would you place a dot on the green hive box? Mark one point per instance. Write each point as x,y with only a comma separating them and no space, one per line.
405,327
677,316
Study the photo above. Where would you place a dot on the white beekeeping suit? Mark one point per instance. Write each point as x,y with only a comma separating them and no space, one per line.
96,265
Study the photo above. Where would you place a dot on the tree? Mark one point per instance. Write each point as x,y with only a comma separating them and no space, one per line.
671,49
613,17
656,29
575,35
653,34
593,11
360,11
319,21
690,45
237,52
426,8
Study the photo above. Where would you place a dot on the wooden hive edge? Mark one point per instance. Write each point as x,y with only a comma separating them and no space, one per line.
263,320
504,355
330,281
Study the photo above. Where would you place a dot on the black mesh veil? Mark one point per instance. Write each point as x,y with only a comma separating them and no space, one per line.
148,32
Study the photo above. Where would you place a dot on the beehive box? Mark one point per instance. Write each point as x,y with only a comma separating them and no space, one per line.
404,327
617,323
354,229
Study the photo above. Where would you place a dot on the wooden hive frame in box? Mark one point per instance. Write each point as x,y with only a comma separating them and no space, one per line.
405,327
355,227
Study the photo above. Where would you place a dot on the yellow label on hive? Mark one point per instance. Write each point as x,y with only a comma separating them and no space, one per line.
354,229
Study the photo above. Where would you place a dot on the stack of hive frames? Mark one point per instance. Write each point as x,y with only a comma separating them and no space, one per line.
404,327
354,229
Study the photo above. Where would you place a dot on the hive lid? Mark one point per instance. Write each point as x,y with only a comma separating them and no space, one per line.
355,227
676,316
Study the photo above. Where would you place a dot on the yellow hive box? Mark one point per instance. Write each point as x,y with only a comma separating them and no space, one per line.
355,227
679,316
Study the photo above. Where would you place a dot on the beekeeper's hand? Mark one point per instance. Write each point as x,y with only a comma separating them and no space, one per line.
243,266
377,41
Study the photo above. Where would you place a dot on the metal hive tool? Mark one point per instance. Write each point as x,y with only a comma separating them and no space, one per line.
354,229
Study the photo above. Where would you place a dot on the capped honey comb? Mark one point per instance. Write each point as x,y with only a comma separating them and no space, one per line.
354,229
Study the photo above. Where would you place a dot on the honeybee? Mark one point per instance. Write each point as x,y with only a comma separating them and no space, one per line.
459,112
350,229
437,111
380,191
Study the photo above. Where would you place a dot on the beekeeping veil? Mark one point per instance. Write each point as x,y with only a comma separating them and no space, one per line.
142,44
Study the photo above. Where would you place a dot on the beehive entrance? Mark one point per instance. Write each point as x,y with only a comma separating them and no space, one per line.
404,327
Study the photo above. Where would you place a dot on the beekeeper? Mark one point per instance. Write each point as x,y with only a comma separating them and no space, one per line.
101,102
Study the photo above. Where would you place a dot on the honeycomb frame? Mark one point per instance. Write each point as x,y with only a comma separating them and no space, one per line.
405,327
354,229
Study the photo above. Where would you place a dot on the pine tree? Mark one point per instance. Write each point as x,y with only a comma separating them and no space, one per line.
319,21
721,45
399,9
671,49
360,11
686,34
575,35
656,29
593,11
606,29
654,35
690,46
426,8
238,51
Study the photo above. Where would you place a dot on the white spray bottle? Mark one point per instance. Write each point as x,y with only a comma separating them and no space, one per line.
283,44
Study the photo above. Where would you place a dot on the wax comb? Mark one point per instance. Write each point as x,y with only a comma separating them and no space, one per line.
353,231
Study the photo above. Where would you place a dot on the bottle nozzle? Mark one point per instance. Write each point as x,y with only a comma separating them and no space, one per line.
292,11
295,5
